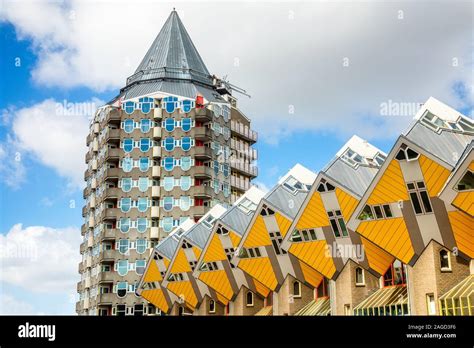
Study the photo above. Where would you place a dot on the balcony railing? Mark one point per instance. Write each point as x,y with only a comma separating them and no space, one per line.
244,167
243,130
243,149
240,183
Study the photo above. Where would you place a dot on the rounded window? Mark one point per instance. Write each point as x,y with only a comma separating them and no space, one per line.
122,289
169,144
129,107
142,224
185,182
142,204
144,144
168,183
168,203
122,267
185,203
126,184
128,126
144,164
167,224
123,246
145,125
127,164
186,124
143,184
125,204
169,124
186,143
185,163
140,266
141,246
127,145
124,225
168,163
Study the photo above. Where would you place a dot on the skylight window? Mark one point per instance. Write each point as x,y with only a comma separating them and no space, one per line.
208,221
247,206
353,158
293,185
467,182
436,123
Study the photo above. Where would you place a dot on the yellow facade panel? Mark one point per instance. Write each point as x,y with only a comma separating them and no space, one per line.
283,223
180,264
390,235
184,290
463,230
311,276
314,214
235,239
379,260
435,175
218,281
465,202
215,250
391,186
347,203
153,273
156,297
258,234
261,269
260,288
315,255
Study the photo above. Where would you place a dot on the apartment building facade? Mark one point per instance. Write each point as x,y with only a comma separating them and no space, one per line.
171,145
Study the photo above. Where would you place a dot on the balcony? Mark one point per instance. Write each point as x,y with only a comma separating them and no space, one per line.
91,221
243,131
157,132
107,255
111,193
96,128
80,268
239,183
82,247
80,287
113,116
156,171
201,172
201,191
89,138
94,164
87,173
86,192
94,183
92,201
84,211
244,168
112,153
156,151
243,149
200,210
88,156
108,234
111,173
90,241
95,145
110,213
84,229
157,113
78,306
104,299
155,212
202,152
107,277
204,115
202,133
155,191
154,232
112,134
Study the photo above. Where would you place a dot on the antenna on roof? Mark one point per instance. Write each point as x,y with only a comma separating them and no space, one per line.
225,87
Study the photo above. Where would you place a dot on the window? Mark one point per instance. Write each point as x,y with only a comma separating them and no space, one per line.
185,203
168,183
180,311
186,143
337,223
168,163
405,153
185,183
212,306
467,182
126,184
353,158
324,186
187,105
120,310
140,266
143,184
123,246
141,246
296,289
444,260
276,239
249,299
215,166
128,125
170,104
122,267
128,107
127,164
145,125
226,189
142,204
395,275
419,197
144,144
359,276
169,124
168,144
122,290
225,170
145,104
124,225
245,253
247,206
186,124
142,224
167,223
431,304
127,145
185,163
125,204
138,310
293,185
306,235
376,212
168,203
229,252
144,164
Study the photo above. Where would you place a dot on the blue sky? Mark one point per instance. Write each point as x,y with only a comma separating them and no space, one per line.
42,191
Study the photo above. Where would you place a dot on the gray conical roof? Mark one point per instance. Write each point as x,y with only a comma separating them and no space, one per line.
172,55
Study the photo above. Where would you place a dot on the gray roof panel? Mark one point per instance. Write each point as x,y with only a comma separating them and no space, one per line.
198,234
288,202
446,145
167,247
237,220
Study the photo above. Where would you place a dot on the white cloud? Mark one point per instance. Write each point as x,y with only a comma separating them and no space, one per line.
287,55
40,259
9,305
12,170
53,133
